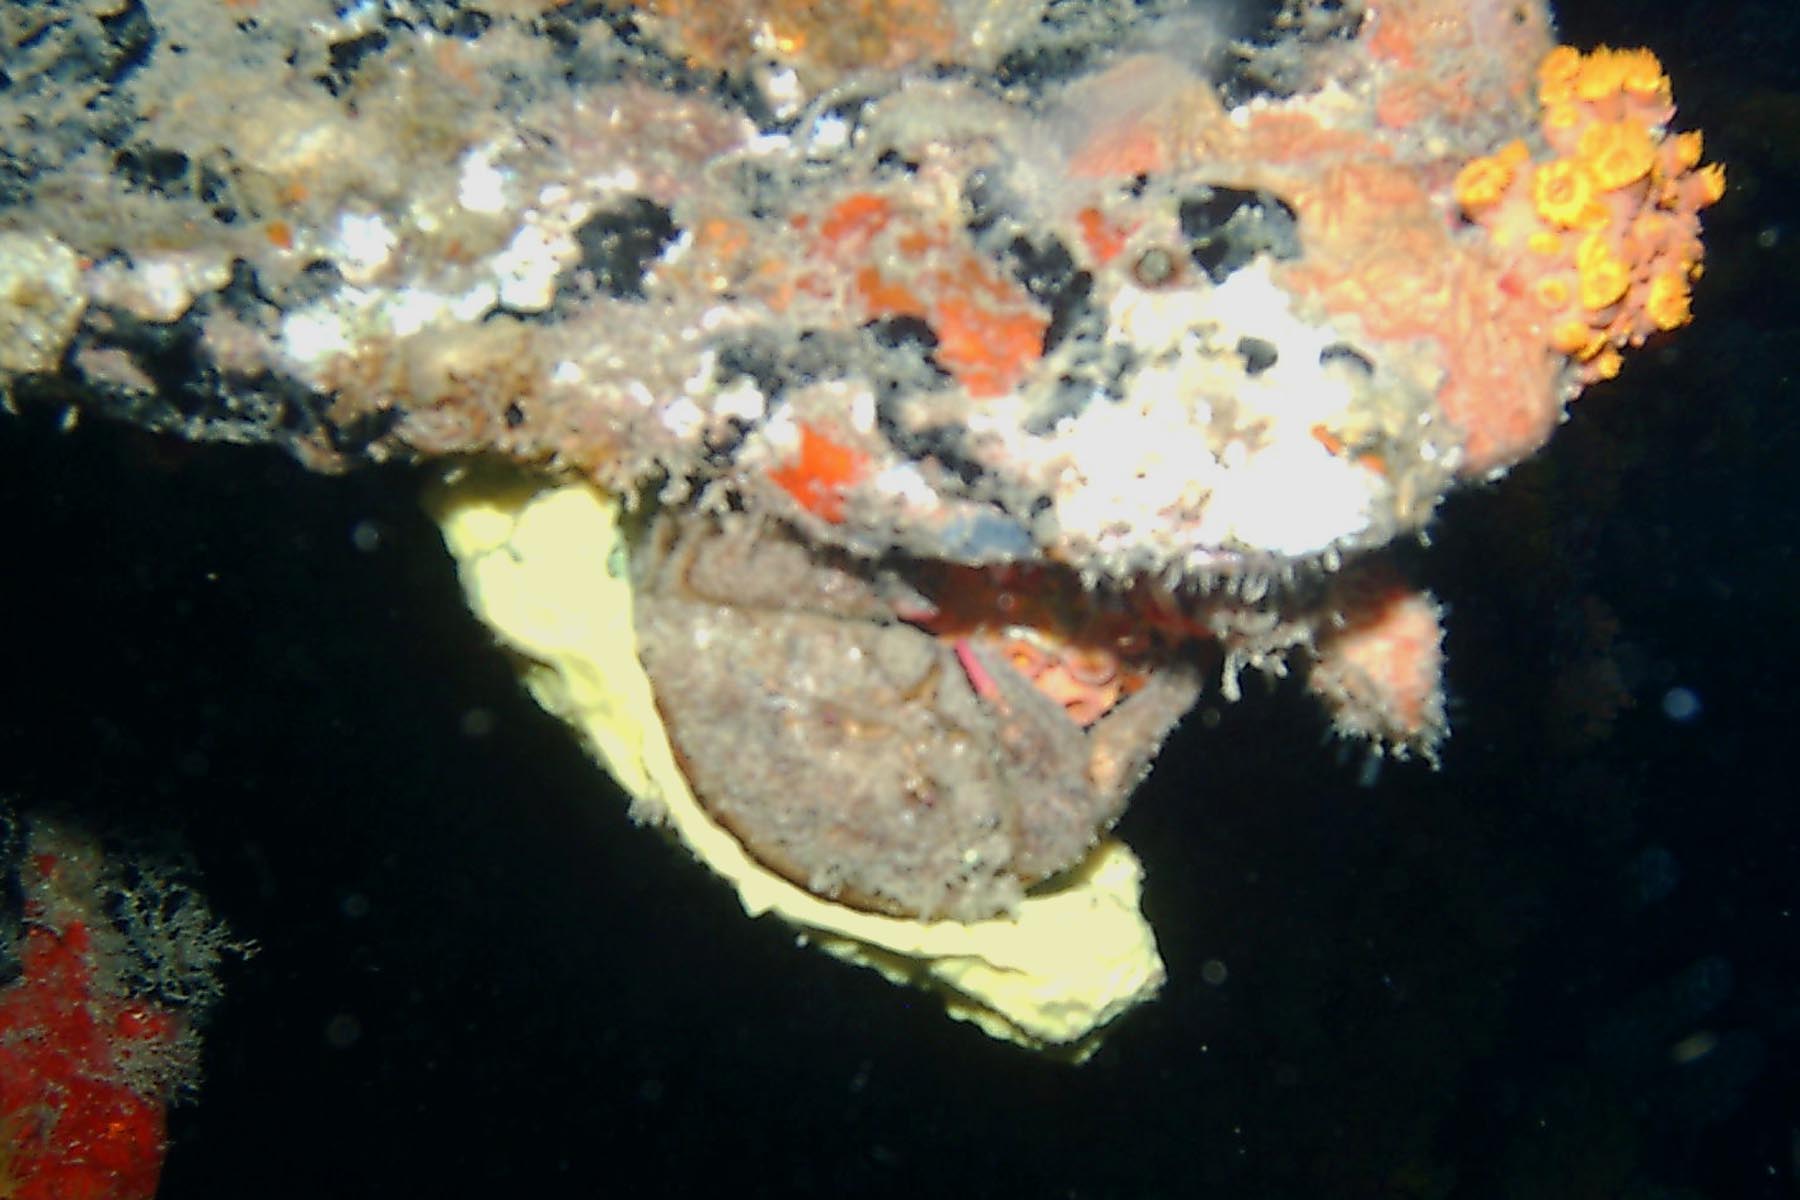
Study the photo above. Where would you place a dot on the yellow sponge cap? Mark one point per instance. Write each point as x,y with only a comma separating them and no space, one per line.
547,567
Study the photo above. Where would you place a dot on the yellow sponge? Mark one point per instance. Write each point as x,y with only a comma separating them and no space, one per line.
547,567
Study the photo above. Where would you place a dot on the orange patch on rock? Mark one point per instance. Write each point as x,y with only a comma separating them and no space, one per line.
989,331
1103,238
820,473
1384,256
1382,674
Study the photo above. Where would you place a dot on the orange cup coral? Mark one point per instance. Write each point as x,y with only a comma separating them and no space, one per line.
1604,228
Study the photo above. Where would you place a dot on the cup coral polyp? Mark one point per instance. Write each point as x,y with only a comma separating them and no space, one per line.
1601,224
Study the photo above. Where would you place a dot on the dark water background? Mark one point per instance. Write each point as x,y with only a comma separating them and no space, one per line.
1566,965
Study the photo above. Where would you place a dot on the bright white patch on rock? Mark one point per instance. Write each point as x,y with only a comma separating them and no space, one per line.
315,333
158,287
482,186
743,400
1202,443
362,246
682,416
528,267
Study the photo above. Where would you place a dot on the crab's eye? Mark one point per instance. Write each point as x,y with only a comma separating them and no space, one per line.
1156,268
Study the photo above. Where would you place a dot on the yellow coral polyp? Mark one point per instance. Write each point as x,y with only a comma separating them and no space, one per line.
1545,243
1560,118
1602,75
1557,75
1567,74
1603,275
1617,153
1553,292
1712,183
1648,231
1577,339
1641,74
1482,182
1595,217
1667,303
1561,192
1688,148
